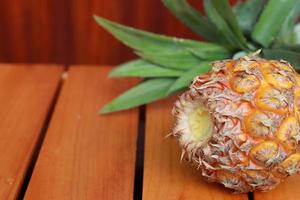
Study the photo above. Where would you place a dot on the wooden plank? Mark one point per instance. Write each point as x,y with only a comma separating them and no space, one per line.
288,190
164,176
86,156
26,93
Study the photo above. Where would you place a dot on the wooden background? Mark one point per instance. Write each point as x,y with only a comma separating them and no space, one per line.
64,32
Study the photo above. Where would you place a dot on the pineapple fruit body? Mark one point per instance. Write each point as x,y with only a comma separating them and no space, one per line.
239,123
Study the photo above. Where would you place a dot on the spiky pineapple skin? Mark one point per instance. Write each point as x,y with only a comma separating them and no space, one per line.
254,106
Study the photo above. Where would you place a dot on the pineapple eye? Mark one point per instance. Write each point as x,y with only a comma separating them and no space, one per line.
271,99
291,164
277,75
298,80
258,124
288,129
297,99
264,151
243,82
256,177
229,179
201,125
244,65
279,80
282,66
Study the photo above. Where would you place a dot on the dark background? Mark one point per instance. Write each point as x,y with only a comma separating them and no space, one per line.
63,31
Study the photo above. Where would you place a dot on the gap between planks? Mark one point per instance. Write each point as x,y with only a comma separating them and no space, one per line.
250,195
41,138
139,162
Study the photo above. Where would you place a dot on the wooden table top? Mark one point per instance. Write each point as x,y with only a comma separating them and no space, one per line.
53,145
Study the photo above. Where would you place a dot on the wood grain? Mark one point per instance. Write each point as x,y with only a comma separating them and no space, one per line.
164,176
64,31
25,98
288,190
147,14
86,156
35,31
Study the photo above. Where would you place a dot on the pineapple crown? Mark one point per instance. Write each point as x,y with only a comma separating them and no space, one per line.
169,64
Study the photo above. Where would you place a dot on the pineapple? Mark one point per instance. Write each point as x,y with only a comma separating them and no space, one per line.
239,120
239,123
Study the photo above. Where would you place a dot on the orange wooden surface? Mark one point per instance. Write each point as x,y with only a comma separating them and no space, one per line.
26,93
63,31
86,156
288,190
164,177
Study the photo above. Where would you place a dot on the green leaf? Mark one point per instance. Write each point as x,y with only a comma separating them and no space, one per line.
180,60
296,34
210,54
220,13
193,19
142,68
185,79
187,58
271,20
290,56
225,11
247,14
149,42
286,33
289,47
143,93
220,23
